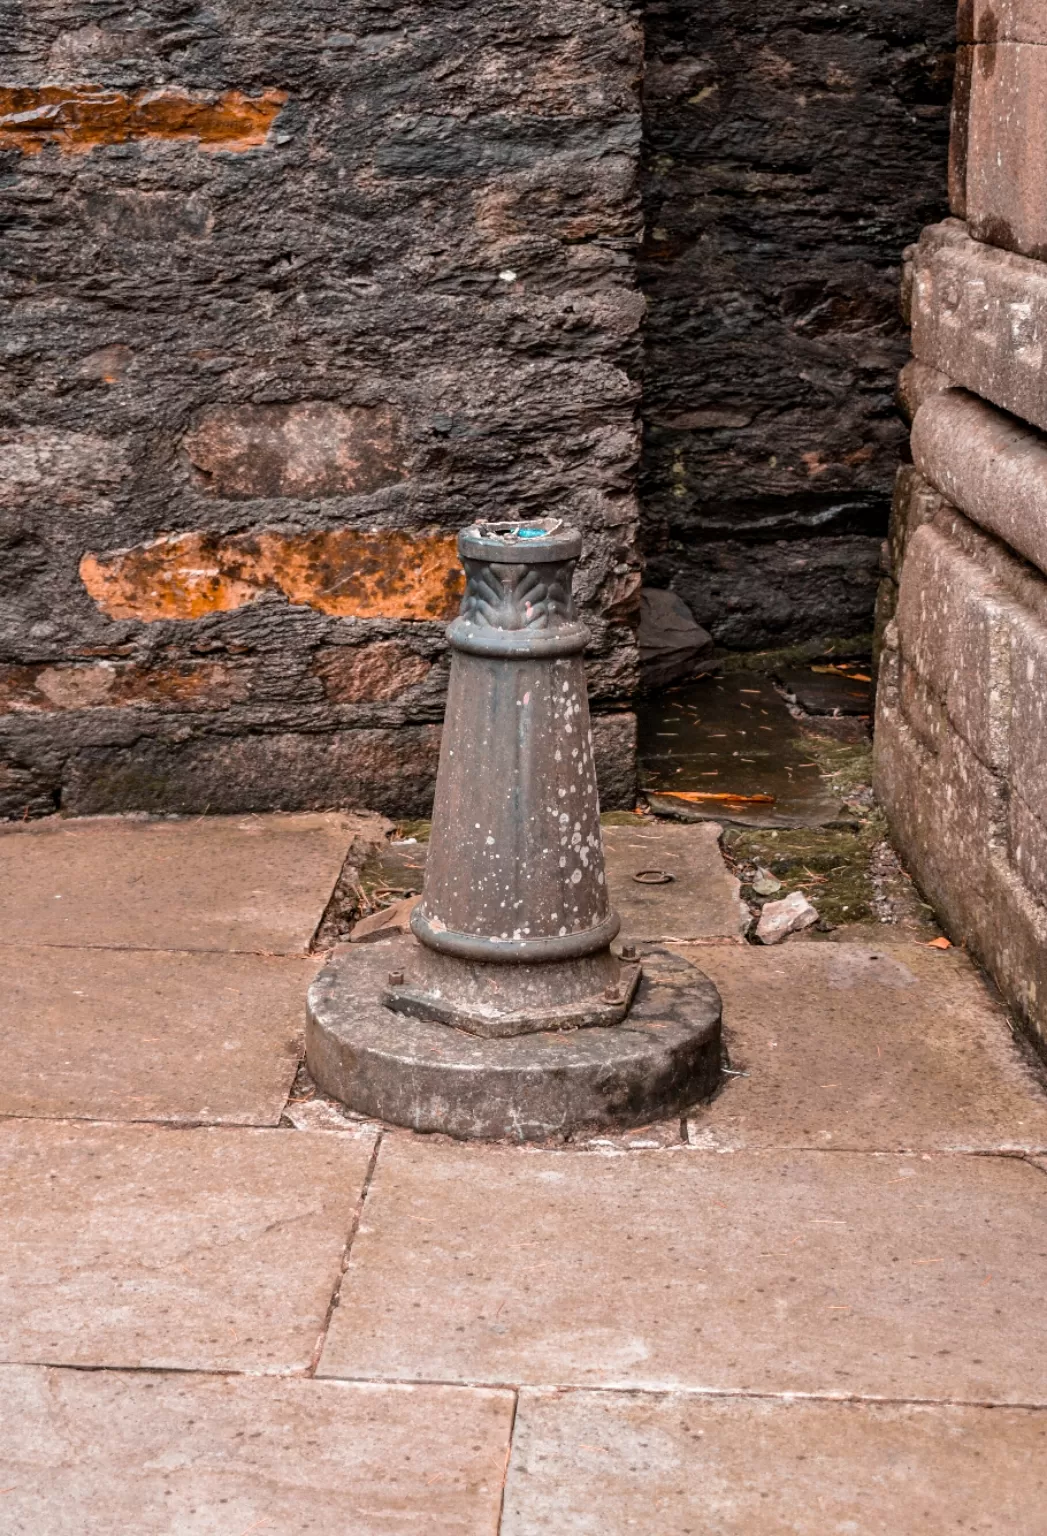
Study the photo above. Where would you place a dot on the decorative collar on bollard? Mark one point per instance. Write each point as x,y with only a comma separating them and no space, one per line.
502,1015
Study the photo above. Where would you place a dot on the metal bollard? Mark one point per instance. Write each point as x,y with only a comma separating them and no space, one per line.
501,1016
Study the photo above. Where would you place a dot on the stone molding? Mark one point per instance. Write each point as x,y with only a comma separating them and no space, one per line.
1002,21
960,768
979,315
990,465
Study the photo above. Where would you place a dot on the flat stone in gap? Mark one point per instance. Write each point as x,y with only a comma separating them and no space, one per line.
104,1034
586,1462
898,1277
134,1246
892,1048
92,1453
217,882
700,901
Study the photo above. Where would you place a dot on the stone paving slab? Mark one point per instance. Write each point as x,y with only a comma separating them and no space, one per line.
813,1272
103,1034
94,1453
702,899
257,883
604,1464
186,1249
891,1048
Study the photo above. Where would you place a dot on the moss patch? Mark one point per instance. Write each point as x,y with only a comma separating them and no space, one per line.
831,866
827,648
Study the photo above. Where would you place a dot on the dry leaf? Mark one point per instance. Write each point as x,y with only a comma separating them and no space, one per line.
708,794
938,944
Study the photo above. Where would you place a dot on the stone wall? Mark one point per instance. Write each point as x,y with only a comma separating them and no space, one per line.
288,294
961,737
794,148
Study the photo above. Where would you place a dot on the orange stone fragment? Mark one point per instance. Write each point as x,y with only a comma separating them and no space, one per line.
79,117
350,573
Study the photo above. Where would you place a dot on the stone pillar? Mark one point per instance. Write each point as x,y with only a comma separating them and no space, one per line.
505,1013
961,737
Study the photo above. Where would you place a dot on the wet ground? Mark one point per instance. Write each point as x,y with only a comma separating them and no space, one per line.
782,760
739,748
791,788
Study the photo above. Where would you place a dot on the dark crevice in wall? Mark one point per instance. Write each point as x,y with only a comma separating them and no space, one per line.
792,152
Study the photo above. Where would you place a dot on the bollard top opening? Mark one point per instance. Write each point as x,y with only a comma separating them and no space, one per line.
526,541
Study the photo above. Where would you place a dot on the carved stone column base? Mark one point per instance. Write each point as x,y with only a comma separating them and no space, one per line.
542,1086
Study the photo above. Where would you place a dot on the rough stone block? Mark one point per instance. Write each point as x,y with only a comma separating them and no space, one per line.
959,130
80,117
1006,159
118,685
209,1250
949,819
917,383
1028,708
979,315
61,467
345,572
1027,846
309,450
614,755
915,503
922,707
101,1451
991,466
953,618
1025,585
946,809
774,593
384,669
886,608
390,770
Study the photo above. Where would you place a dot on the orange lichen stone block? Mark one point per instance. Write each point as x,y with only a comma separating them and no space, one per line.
346,572
180,576
79,117
357,575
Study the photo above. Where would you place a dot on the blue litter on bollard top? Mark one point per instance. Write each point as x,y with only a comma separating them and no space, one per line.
532,533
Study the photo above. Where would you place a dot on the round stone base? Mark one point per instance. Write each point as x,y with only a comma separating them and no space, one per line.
427,1076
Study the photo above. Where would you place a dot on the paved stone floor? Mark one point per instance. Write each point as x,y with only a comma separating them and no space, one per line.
818,1305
